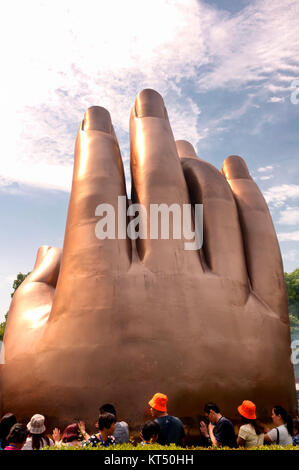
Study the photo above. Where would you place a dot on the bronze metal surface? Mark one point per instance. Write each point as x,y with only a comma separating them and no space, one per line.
123,320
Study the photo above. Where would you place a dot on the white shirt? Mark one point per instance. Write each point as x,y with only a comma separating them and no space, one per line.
285,438
28,444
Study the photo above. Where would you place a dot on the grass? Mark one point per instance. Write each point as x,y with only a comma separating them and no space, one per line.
172,447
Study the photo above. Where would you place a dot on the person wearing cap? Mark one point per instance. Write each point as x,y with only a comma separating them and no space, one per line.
220,432
37,438
251,433
171,428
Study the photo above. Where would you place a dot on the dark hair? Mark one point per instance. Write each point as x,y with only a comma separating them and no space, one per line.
259,429
106,420
150,429
279,410
6,423
71,433
211,406
108,408
17,434
37,440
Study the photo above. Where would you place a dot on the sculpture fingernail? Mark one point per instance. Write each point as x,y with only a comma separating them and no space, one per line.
97,118
234,167
185,149
149,103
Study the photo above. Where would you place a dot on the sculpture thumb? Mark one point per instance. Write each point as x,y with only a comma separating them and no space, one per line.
31,305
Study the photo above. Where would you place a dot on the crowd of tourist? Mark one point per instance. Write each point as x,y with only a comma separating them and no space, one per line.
163,429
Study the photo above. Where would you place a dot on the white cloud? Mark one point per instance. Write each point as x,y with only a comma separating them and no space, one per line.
288,236
285,78
264,178
256,44
265,168
290,216
277,195
290,255
66,58
62,57
275,99
278,88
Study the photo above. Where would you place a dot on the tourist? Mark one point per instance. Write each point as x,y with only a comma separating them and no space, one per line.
251,433
171,428
283,431
106,426
37,438
150,432
71,436
220,431
6,423
296,432
121,433
16,437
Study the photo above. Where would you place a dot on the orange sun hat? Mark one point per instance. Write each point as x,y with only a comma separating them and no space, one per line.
159,402
247,409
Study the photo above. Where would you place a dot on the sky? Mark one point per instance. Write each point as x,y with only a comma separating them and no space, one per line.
227,70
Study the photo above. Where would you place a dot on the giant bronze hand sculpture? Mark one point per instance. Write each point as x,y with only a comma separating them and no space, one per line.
127,319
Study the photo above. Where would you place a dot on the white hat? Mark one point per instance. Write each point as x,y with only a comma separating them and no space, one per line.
37,424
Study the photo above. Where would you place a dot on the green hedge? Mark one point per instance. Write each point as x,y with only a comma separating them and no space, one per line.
172,447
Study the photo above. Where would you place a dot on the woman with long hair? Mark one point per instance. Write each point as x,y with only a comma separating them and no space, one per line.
251,433
6,423
283,431
37,438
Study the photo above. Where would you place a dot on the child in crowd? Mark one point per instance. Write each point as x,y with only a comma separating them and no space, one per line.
150,432
106,426
17,437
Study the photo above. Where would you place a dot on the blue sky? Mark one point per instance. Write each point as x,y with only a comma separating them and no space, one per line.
225,68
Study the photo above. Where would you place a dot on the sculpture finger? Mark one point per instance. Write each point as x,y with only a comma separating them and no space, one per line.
93,244
222,239
31,304
47,266
262,250
157,179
